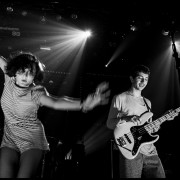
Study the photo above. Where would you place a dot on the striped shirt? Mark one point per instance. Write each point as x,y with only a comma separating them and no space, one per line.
22,129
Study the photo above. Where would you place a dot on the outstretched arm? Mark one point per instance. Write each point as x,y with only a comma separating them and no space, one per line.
62,103
68,103
3,63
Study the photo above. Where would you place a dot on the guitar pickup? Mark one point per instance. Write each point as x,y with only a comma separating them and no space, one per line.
129,141
121,141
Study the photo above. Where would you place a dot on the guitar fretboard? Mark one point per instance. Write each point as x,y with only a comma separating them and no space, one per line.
160,120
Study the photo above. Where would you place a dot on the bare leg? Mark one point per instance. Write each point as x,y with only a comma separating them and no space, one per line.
9,159
29,163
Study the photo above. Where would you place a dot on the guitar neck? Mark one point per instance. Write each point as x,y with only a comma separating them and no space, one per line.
160,120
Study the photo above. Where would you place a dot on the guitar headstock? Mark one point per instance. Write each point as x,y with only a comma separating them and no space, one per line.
171,114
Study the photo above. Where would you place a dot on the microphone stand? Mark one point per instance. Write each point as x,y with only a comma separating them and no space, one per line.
175,53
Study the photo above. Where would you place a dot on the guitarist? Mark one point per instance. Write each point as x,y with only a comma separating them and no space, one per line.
127,107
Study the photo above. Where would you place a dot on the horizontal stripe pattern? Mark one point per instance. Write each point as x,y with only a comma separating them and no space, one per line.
22,129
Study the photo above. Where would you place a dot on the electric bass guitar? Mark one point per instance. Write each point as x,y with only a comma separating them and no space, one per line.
130,138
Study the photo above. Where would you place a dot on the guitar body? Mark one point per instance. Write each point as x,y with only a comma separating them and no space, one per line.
130,138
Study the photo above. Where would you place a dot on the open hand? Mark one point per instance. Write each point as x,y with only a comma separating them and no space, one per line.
100,97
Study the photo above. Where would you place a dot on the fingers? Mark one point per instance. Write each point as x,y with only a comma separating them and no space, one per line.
87,102
91,101
104,98
154,129
102,86
96,99
136,120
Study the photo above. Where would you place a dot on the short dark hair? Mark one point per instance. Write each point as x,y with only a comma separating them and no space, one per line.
139,68
22,60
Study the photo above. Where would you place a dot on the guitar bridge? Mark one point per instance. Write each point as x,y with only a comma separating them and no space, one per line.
121,142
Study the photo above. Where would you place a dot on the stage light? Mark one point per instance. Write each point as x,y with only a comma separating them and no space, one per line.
45,48
133,27
9,9
43,19
74,16
86,34
59,18
24,13
82,34
107,64
165,32
16,33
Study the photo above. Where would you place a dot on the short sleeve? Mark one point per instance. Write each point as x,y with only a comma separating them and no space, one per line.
37,93
113,113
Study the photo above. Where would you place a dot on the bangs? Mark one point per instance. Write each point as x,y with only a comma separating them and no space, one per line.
23,61
31,67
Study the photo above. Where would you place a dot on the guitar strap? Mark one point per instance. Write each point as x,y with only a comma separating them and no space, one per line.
148,108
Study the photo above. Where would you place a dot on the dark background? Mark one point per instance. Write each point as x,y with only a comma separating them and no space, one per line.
113,37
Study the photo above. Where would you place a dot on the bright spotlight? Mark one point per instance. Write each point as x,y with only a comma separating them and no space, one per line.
85,34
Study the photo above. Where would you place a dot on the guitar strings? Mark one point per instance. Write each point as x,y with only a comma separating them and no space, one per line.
153,124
